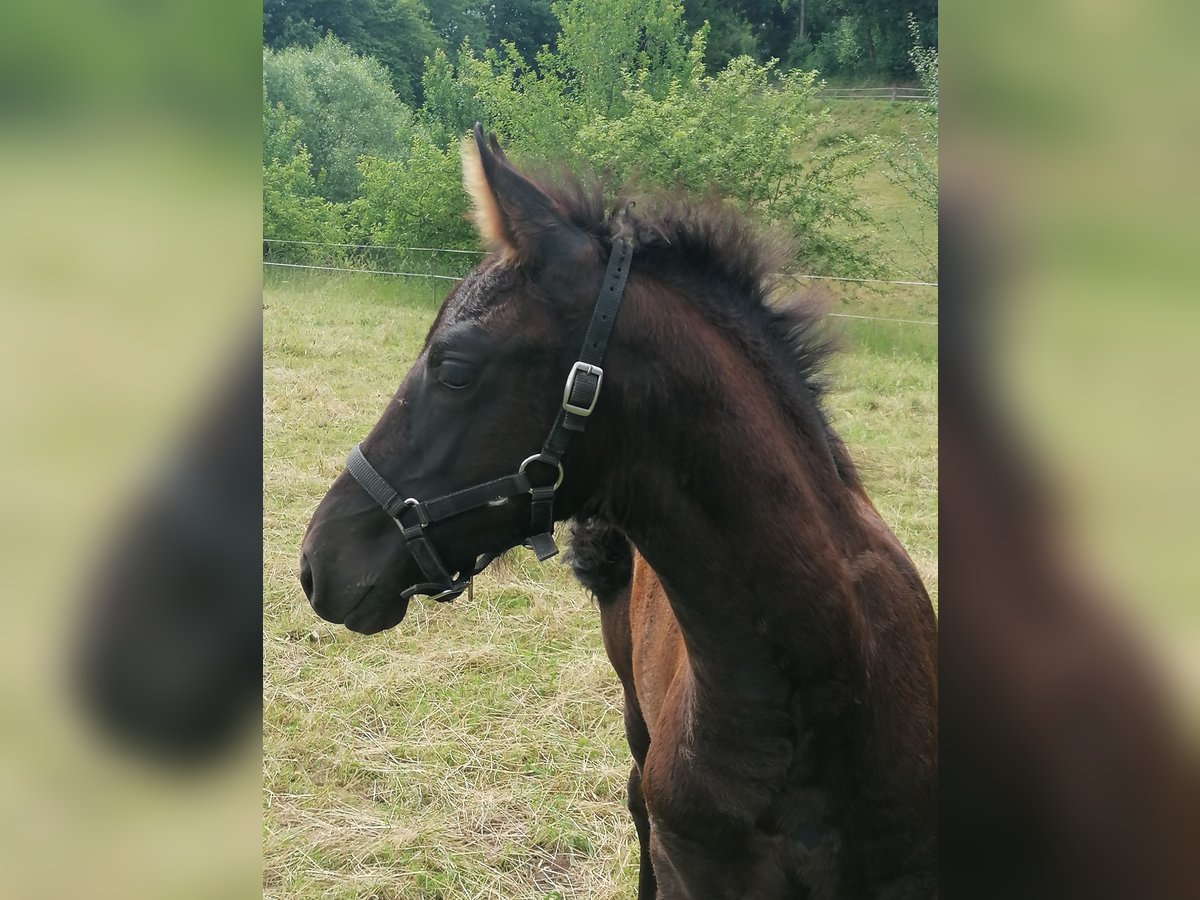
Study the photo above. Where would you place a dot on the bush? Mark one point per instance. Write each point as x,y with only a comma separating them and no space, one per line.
912,164
293,211
419,201
844,46
398,33
736,133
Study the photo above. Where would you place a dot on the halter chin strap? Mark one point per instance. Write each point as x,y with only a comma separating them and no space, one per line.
580,394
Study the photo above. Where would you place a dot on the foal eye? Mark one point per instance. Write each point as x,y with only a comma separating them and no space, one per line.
456,374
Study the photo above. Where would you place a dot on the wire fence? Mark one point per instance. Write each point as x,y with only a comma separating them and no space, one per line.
459,262
891,92
372,246
284,265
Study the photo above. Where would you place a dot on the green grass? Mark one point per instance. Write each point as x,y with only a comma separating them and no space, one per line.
477,750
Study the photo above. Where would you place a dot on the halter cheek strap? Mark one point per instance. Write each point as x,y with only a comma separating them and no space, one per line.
580,395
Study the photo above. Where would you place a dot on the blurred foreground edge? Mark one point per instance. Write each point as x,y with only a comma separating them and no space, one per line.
168,663
1062,772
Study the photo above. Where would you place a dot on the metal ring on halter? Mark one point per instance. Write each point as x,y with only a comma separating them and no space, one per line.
537,457
422,516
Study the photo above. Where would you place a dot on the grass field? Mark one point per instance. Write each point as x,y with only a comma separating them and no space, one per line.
476,750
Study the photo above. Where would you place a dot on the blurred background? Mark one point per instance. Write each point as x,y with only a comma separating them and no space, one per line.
130,247
1070,628
129,317
1070,140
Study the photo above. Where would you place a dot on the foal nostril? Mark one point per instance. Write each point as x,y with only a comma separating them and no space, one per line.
306,577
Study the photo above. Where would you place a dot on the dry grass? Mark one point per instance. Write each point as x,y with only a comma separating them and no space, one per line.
476,750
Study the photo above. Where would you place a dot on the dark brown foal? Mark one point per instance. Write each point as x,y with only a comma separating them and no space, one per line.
777,647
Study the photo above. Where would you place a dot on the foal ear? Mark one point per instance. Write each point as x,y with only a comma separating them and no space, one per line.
513,215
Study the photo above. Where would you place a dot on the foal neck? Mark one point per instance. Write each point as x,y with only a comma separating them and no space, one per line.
733,496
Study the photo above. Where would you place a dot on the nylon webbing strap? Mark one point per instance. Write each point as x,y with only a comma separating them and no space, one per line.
541,522
595,342
426,555
373,483
584,385
470,498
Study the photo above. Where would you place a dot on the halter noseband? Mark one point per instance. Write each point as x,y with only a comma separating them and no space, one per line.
580,394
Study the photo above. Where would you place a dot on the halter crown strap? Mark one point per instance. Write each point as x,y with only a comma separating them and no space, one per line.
580,395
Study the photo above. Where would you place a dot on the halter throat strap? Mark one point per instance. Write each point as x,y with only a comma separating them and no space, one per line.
581,392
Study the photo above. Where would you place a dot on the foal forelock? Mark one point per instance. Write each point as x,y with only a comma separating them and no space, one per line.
474,295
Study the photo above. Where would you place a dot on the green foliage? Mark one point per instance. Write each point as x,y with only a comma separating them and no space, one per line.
532,111
460,20
292,208
528,25
345,106
848,39
925,62
730,35
602,41
450,107
837,52
736,134
281,132
624,91
912,164
293,211
843,44
398,33
419,201
673,126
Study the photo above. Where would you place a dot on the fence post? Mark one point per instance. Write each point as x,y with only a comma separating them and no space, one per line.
894,89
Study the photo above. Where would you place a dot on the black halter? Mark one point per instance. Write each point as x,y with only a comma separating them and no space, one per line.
580,394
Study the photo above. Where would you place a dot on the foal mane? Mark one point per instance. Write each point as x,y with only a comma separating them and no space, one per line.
733,271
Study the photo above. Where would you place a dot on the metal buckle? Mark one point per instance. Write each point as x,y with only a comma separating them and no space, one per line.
587,369
537,457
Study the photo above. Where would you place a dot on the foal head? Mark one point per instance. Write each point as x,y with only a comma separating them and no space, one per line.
479,400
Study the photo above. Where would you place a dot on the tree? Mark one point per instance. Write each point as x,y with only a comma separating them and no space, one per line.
398,33
730,33
911,163
531,110
461,20
860,37
292,208
602,42
526,24
345,107
451,104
